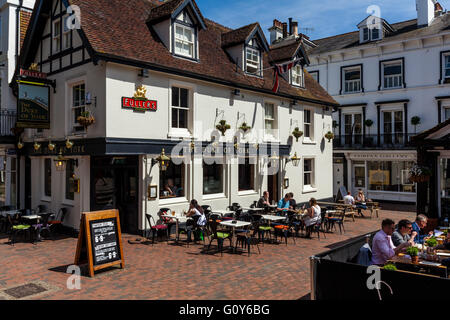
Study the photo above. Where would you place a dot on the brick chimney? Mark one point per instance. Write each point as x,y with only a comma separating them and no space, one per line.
285,30
276,31
295,28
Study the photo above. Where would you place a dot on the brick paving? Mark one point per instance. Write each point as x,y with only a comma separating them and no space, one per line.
168,272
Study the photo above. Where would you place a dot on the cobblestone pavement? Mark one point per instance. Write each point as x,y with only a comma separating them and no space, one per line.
166,271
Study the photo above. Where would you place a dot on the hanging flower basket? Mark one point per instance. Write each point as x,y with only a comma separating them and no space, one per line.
223,126
419,174
244,127
329,135
297,133
86,119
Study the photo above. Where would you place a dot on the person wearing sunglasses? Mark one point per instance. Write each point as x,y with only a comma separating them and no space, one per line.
403,233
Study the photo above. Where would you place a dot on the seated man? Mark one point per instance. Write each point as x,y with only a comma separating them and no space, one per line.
418,234
283,204
348,199
382,247
292,202
263,202
403,233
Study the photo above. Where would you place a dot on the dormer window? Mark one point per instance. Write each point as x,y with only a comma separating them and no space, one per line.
366,35
373,28
375,34
184,41
252,61
297,78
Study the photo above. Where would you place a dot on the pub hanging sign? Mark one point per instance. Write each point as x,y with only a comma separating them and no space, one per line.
139,102
33,105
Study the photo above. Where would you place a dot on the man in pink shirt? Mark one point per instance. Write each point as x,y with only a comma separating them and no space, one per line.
382,247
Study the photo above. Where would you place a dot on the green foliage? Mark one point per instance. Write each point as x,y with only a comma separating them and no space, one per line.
297,133
412,251
415,121
390,266
368,123
432,242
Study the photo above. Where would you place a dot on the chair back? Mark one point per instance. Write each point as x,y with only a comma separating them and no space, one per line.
61,214
150,220
165,211
41,208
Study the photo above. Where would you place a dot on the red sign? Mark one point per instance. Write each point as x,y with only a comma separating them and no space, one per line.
139,104
33,74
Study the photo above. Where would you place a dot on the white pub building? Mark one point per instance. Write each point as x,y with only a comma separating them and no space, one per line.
392,81
143,80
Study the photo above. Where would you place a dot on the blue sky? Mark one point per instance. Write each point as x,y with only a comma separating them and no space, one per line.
327,17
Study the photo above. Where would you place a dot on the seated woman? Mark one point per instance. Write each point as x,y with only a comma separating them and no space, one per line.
361,202
195,210
312,216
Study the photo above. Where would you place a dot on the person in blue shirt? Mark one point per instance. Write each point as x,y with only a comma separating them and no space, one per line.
418,234
283,204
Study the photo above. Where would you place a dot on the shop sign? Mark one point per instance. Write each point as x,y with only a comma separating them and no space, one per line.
33,74
383,156
33,106
139,102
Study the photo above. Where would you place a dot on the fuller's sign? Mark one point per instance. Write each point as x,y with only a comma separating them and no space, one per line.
139,102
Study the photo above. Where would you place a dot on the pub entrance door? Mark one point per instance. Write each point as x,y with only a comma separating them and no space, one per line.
273,187
114,185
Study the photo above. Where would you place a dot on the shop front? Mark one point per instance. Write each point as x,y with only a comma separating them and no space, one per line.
381,175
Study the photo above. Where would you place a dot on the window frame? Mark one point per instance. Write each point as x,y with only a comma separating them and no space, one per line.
269,135
184,27
384,63
184,179
258,72
309,138
312,186
73,123
444,109
443,79
361,78
56,38
301,75
66,36
217,162
194,29
253,174
67,200
318,75
45,196
181,131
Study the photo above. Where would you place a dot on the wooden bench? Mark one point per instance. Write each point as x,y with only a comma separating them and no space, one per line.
373,206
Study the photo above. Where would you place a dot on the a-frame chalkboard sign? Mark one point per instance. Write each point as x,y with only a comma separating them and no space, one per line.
100,241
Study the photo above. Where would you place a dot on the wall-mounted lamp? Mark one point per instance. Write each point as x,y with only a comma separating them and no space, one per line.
51,146
20,145
274,159
295,160
69,144
61,162
163,161
237,92
36,146
143,73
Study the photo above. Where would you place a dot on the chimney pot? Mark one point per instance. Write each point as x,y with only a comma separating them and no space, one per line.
285,26
295,28
290,26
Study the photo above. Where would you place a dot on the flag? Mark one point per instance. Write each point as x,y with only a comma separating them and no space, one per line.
280,69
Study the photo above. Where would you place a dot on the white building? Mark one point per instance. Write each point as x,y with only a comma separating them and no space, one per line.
196,73
14,18
384,75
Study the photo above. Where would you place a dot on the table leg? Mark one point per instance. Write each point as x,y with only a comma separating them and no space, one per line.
177,234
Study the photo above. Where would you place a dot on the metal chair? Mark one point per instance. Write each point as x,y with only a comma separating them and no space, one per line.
16,228
56,221
219,235
154,228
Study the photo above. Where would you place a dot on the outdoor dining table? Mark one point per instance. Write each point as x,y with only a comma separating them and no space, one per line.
222,212
252,209
178,219
9,213
233,224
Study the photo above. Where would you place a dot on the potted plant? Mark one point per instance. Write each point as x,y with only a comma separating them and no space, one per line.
244,127
415,121
223,126
297,133
419,174
369,124
390,266
329,135
86,119
432,242
413,252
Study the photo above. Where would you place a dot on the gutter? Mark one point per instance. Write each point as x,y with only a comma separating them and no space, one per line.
20,6
151,66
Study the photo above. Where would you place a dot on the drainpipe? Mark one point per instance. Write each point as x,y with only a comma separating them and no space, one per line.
20,6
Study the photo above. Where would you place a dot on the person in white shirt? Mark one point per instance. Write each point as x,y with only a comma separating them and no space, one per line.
195,210
313,215
348,199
